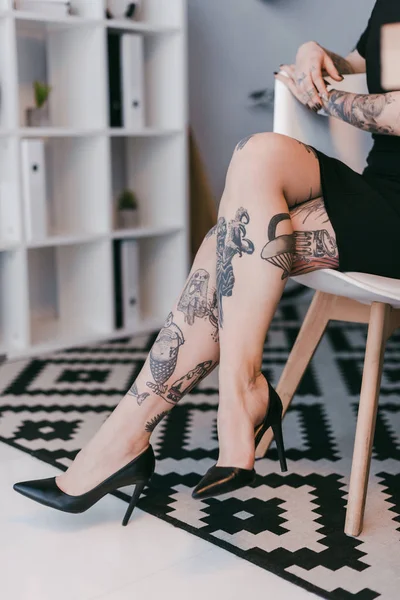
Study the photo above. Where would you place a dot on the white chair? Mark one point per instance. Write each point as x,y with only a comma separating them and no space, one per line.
352,297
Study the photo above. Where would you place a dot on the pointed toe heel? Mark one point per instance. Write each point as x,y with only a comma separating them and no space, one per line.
46,491
221,480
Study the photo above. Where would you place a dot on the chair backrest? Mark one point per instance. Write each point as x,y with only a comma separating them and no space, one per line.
328,134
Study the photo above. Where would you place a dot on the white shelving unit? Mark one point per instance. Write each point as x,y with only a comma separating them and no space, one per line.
59,291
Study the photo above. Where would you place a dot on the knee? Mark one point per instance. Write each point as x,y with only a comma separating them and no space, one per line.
259,153
260,146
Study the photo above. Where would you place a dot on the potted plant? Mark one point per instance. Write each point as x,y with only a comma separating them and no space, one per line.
38,116
127,207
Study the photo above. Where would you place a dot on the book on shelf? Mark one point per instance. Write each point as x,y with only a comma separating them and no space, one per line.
126,80
126,280
8,212
34,188
132,80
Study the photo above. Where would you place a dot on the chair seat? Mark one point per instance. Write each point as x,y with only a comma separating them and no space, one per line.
362,287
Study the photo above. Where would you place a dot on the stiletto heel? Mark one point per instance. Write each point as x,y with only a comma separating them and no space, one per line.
220,480
277,431
47,492
135,497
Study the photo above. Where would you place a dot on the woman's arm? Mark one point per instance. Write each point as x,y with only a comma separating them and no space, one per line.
376,113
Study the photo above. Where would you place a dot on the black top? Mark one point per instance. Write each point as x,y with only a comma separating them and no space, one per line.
384,158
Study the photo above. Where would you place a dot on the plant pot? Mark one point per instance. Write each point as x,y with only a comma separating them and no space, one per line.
38,117
128,219
122,9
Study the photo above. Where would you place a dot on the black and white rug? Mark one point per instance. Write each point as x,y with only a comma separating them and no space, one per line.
291,523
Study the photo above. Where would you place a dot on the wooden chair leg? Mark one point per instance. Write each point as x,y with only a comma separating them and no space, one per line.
307,341
379,324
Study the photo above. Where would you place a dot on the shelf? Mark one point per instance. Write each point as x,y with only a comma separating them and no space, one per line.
122,25
70,292
5,247
147,132
143,232
52,22
66,240
46,132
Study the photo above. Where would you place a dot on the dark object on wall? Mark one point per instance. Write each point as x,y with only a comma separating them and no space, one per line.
262,98
114,79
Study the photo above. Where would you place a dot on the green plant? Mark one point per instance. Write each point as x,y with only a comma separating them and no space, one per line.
42,91
127,200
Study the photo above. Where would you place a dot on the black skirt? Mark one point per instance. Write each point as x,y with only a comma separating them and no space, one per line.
364,210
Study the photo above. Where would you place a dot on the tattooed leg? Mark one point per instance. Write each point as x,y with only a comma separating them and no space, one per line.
185,352
268,177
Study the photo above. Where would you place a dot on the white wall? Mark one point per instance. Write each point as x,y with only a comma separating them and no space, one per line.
234,47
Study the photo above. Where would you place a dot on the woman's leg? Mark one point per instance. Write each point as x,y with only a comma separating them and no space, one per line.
187,348
259,243
185,351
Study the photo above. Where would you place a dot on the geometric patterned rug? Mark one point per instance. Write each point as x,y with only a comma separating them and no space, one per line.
288,523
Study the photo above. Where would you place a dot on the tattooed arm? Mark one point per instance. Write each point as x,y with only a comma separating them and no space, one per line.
376,113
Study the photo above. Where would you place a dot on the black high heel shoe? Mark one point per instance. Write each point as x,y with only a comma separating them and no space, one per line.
45,491
220,480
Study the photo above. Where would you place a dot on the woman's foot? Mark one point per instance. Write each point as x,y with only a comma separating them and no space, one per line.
242,407
118,441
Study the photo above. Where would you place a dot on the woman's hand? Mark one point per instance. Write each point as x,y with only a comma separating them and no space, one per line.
305,79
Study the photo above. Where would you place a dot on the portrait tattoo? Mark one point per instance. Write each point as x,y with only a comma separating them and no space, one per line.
231,240
243,142
164,355
194,301
280,249
152,424
140,398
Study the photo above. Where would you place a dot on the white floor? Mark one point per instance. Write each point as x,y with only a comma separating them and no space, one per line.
46,554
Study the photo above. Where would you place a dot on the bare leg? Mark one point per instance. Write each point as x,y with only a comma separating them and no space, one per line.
187,348
256,251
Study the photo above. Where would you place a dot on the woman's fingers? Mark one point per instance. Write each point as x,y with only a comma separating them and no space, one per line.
330,68
308,90
320,84
290,84
289,70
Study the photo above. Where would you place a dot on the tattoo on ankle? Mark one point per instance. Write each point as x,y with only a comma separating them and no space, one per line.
140,398
164,355
152,424
230,241
185,384
280,249
243,142
194,300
